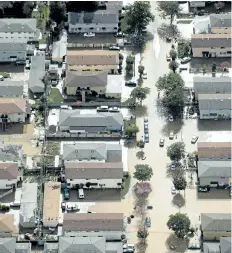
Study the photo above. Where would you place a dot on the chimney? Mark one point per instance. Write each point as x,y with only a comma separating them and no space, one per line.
194,31
209,28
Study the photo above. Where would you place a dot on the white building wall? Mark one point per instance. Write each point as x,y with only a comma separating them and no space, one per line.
214,114
97,28
109,235
102,183
15,36
7,184
16,117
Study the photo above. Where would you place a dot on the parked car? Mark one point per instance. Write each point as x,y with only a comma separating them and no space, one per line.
194,139
63,205
171,135
173,166
194,246
89,35
114,48
170,118
146,138
168,58
230,191
130,83
29,237
185,60
1,78
203,188
20,62
114,109
144,75
119,35
161,142
148,222
145,120
72,208
146,128
173,190
15,204
103,108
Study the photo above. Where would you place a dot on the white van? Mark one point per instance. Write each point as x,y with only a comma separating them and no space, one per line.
81,193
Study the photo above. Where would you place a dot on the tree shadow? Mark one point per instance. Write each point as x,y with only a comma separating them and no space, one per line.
214,125
179,245
174,126
178,172
141,247
140,207
139,111
178,200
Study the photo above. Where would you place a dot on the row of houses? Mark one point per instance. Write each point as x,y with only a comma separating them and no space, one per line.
214,163
213,95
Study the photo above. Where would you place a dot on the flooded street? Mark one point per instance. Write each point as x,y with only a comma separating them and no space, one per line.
154,60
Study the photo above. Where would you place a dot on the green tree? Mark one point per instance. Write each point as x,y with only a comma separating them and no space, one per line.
140,70
180,183
170,82
183,48
166,31
140,154
28,8
173,54
57,12
131,129
143,172
140,93
130,59
138,40
179,223
173,65
168,9
176,151
138,15
142,233
214,67
140,144
174,101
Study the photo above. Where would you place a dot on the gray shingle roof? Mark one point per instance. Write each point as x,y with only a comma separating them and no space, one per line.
10,152
211,247
51,247
220,20
84,151
205,41
216,222
82,244
73,118
201,80
214,169
225,243
7,45
214,101
93,170
23,248
7,245
37,72
11,88
18,25
97,17
84,79
93,222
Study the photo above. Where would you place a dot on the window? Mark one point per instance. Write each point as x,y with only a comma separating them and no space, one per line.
213,114
228,52
70,179
214,182
222,47
115,28
103,28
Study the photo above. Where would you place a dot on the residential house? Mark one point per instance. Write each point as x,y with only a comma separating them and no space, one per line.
74,121
101,21
214,151
12,50
93,60
51,247
224,246
214,173
27,214
51,206
11,88
215,225
94,174
93,82
91,152
37,73
13,110
9,175
7,226
214,106
18,29
9,245
220,23
108,225
59,51
88,244
88,81
209,85
211,45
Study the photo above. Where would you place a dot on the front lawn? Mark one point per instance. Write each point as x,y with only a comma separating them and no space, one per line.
55,96
5,74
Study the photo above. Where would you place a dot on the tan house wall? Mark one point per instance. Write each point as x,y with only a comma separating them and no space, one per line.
72,90
111,69
222,30
218,52
210,236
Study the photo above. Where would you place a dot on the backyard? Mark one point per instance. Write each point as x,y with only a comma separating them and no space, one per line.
55,96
